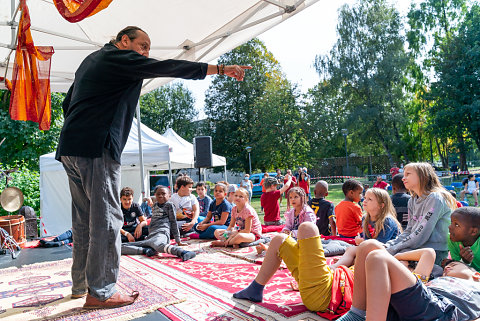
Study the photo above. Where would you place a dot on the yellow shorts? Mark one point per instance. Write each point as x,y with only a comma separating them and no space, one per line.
306,261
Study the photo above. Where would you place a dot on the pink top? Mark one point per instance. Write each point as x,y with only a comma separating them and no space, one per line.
292,222
240,217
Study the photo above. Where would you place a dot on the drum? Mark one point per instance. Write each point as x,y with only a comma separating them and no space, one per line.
15,226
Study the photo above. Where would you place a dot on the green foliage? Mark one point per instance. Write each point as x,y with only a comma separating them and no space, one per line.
27,181
366,70
24,142
260,112
170,106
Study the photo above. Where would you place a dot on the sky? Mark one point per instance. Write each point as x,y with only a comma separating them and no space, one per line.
295,43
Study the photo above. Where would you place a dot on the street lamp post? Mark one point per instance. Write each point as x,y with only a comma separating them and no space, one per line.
249,149
345,133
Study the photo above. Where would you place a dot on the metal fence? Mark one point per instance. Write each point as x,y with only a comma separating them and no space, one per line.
357,166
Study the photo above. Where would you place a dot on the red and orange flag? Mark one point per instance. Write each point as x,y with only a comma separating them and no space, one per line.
77,10
30,85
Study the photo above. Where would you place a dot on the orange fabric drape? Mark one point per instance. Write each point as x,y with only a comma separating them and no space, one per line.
30,86
77,10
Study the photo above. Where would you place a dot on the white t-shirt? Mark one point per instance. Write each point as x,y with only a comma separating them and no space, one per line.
471,186
184,204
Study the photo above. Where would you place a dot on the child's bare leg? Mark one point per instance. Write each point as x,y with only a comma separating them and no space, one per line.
272,261
241,238
254,292
359,290
347,258
462,195
475,196
220,239
385,275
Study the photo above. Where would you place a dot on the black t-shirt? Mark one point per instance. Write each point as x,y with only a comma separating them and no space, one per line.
400,202
323,210
130,217
99,106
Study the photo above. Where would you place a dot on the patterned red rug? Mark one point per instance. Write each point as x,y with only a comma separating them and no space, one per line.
42,292
208,285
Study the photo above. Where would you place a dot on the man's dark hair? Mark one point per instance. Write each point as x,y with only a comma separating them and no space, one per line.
397,182
130,31
470,214
126,191
351,185
184,180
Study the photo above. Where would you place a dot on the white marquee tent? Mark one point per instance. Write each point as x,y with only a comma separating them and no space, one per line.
159,153
196,30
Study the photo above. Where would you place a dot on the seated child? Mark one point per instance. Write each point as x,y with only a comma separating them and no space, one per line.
232,188
348,213
186,205
62,239
400,199
298,211
324,210
244,227
218,216
306,261
203,199
162,224
269,200
134,222
429,212
386,290
464,240
379,223
471,187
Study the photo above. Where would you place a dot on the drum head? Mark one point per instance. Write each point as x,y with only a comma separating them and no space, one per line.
11,199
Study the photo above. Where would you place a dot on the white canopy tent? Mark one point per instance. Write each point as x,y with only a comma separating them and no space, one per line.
159,153
197,30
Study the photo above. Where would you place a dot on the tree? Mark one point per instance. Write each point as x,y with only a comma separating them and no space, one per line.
231,106
24,142
456,93
432,25
368,64
280,138
170,106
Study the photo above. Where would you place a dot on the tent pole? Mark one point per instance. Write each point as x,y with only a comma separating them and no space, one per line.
170,179
140,150
225,170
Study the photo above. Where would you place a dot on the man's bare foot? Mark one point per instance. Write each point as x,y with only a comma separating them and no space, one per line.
218,243
261,247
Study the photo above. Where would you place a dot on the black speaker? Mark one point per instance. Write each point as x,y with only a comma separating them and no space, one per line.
202,147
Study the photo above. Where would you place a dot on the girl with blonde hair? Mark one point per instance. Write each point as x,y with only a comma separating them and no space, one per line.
429,212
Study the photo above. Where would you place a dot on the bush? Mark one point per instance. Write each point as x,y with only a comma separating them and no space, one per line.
28,181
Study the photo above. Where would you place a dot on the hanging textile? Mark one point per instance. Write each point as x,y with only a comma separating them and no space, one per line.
30,85
77,10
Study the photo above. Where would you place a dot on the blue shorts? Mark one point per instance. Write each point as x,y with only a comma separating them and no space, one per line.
419,303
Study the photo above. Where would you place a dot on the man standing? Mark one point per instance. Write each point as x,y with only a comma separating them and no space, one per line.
98,111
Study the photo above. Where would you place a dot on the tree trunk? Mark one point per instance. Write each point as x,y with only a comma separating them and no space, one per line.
400,143
462,153
442,157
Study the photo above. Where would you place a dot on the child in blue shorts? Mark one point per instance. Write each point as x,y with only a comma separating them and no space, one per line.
385,289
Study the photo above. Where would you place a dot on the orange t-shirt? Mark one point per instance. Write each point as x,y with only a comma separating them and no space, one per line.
263,187
349,218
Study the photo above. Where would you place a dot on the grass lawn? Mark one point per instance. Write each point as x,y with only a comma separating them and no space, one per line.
335,195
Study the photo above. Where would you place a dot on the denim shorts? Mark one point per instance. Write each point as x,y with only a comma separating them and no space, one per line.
419,303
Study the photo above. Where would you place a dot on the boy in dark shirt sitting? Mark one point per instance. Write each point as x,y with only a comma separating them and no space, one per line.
163,223
400,199
324,210
132,229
